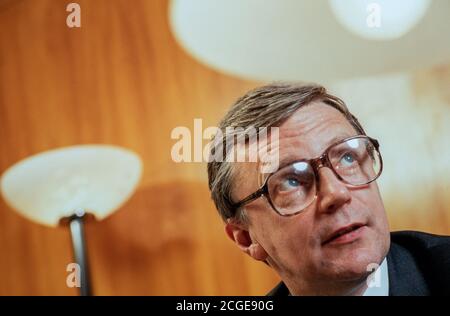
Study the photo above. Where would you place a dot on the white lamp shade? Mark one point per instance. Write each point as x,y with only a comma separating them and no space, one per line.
303,40
54,184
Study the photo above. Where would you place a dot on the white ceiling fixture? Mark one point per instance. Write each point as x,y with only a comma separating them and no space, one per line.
303,40
379,19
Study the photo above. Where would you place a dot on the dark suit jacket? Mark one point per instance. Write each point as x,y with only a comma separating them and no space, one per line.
418,264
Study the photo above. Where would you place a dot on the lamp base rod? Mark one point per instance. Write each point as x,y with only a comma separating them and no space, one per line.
76,224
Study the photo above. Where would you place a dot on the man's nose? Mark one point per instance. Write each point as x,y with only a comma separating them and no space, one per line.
333,193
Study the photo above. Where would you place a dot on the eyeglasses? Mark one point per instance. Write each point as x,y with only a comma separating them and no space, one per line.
356,161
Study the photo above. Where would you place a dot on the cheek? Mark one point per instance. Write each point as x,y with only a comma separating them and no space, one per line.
376,207
284,236
370,201
298,234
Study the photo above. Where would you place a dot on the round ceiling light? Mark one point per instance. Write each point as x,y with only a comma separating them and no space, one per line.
380,19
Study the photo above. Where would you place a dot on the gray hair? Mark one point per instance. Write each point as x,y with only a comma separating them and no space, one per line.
263,107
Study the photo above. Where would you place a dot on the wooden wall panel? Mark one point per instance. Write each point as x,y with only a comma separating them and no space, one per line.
119,79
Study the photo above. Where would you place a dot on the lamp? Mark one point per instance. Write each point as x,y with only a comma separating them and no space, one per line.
303,41
381,19
66,185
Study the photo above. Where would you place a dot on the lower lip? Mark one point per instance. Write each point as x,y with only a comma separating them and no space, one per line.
348,237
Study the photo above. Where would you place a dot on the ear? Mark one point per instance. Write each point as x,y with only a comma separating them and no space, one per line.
238,233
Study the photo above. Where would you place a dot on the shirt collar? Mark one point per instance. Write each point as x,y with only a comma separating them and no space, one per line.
379,285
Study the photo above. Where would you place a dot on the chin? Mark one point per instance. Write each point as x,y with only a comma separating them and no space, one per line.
354,265
356,260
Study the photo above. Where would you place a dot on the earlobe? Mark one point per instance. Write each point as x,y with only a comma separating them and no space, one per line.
237,233
257,252
242,238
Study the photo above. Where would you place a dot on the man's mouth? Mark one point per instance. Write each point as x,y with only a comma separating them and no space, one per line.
345,234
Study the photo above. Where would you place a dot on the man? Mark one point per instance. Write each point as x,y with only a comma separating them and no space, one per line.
318,220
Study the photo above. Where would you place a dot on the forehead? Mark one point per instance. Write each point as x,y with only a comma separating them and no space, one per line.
315,125
307,133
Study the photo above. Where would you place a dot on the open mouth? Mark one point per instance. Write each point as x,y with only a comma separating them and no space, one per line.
345,234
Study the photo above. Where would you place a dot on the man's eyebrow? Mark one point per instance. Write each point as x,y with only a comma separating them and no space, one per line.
292,157
338,138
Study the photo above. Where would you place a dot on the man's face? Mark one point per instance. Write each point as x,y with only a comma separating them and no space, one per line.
295,246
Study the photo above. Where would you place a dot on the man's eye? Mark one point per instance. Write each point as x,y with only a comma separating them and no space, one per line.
347,159
289,184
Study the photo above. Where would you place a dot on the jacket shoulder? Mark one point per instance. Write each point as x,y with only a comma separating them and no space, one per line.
421,240
428,252
279,290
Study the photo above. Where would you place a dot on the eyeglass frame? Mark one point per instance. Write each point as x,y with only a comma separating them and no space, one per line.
316,163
